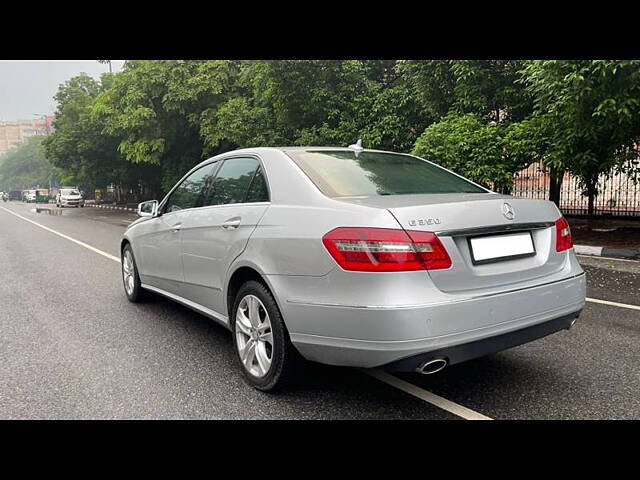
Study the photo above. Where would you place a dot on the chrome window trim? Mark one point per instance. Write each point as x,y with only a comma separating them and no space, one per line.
216,206
513,227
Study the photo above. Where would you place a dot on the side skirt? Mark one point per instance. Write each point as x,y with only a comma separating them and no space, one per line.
207,312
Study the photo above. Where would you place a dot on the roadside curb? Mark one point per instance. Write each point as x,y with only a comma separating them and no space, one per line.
631,253
111,207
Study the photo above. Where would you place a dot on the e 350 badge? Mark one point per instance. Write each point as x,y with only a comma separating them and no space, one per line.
424,221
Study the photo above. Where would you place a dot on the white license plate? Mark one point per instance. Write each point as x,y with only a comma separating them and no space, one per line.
501,247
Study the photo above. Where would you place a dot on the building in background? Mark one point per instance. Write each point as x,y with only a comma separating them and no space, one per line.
15,132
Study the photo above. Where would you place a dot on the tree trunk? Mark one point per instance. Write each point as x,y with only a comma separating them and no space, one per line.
592,191
555,185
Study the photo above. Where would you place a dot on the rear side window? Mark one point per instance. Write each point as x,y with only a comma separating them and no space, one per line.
232,181
339,173
258,191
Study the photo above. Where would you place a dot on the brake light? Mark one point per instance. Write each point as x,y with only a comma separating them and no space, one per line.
563,235
385,249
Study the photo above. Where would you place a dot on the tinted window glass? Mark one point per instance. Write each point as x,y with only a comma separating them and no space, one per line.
341,173
232,181
192,191
258,191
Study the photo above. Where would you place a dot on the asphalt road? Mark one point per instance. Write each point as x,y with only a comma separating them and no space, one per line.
72,346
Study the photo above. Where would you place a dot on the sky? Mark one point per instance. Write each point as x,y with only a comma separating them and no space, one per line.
27,87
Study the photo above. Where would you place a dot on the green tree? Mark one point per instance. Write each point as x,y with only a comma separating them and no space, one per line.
488,153
297,102
466,145
157,111
589,111
80,148
486,88
25,166
481,110
151,122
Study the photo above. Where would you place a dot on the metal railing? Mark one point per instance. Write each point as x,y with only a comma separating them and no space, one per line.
618,193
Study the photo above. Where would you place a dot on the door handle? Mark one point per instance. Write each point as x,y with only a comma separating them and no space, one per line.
230,224
176,228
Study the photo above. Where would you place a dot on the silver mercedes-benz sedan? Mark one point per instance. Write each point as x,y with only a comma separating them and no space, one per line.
354,257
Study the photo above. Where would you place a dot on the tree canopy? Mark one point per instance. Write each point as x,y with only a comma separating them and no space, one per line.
25,166
145,126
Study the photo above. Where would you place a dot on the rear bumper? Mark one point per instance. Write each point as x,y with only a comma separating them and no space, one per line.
479,348
377,336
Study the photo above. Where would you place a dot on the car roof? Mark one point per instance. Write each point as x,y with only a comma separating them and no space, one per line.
285,149
303,149
343,149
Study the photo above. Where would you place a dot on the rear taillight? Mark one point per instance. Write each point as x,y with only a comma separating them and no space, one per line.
385,249
563,235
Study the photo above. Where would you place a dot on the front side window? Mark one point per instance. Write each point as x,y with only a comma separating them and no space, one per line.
232,181
340,173
192,192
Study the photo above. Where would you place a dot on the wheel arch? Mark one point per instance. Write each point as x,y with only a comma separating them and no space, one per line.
124,242
241,273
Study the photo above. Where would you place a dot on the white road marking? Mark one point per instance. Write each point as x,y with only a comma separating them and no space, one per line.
613,304
66,237
609,258
587,250
425,395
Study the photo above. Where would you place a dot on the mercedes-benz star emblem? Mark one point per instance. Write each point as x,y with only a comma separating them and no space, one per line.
507,211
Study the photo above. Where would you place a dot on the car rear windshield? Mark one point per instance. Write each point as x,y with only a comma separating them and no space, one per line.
340,173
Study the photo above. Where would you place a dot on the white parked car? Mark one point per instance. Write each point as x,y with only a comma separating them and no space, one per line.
69,197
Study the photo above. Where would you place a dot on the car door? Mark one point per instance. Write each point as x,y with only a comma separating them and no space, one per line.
161,264
213,236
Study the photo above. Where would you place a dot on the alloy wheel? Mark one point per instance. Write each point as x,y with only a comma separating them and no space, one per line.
254,336
128,272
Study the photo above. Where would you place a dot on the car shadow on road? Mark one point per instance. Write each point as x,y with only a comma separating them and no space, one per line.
513,384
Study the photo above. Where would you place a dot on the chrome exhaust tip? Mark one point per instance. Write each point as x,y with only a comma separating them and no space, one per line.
432,366
573,322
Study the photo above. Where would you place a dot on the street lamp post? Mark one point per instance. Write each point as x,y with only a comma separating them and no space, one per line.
108,62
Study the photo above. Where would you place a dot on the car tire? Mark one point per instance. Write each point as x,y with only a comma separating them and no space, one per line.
130,278
285,360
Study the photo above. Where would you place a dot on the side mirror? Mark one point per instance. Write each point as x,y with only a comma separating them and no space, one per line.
148,209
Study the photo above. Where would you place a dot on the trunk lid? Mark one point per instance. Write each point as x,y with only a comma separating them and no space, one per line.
458,217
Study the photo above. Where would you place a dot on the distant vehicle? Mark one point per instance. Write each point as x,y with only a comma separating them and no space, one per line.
4,196
42,195
15,195
69,197
354,257
29,196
